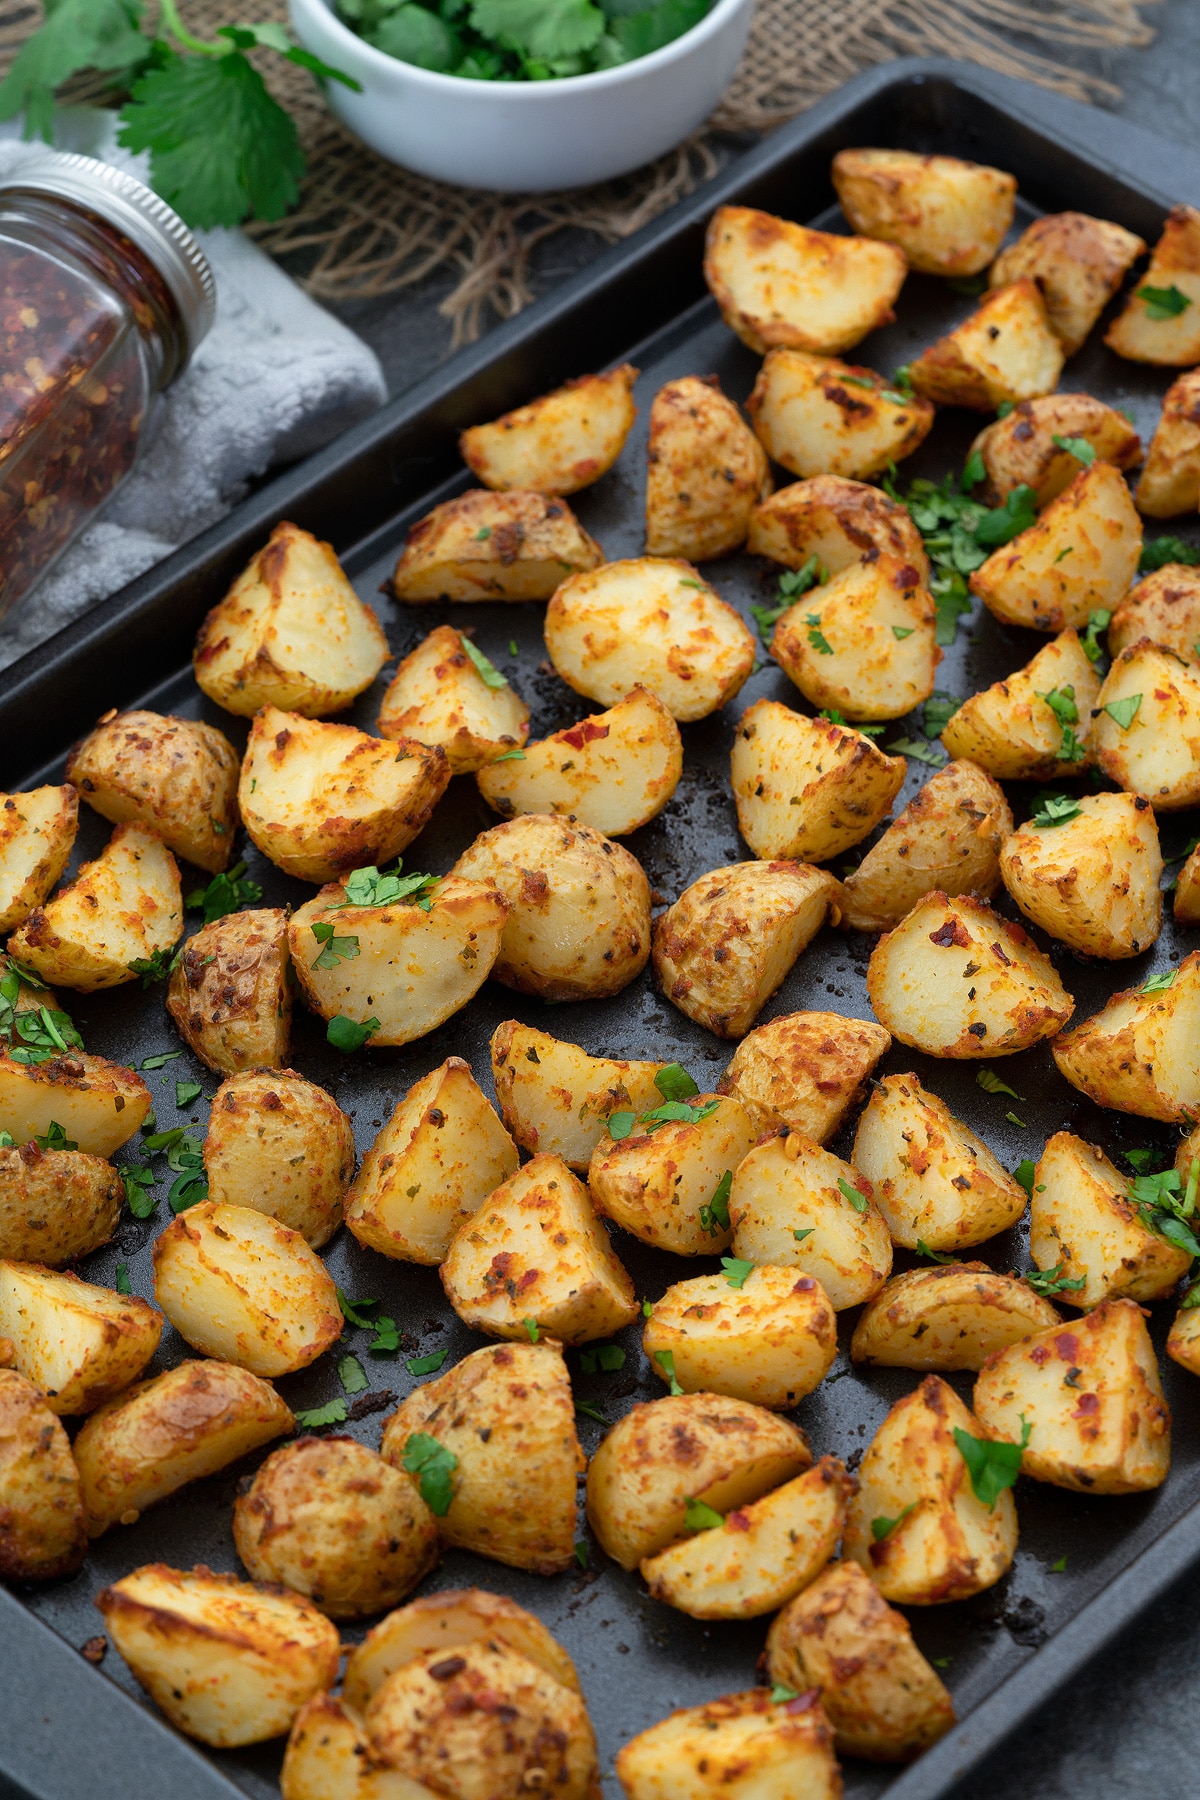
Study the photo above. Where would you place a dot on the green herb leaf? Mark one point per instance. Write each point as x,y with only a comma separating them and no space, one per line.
606,1357
542,30
974,469
943,1662
1158,552
185,1158
933,754
792,584
1098,621
352,1375
803,1232
1024,1173
619,1125
509,756
781,1692
334,949
186,1092
1013,1120
666,1362
487,671
1124,711
1078,447
992,1464
334,1412
1158,984
426,1365
1053,1281
900,632
355,1311
700,1516
224,894
902,378
532,1330
674,1083
55,1138
884,1527
1163,303
7,1140
735,1270
1058,1567
970,285
937,1256
949,606
42,1033
816,637
836,718
937,712
714,1217
346,1035
386,1341
122,1283
371,887
1141,1160
1017,514
991,1083
433,1465
158,1062
647,1309
157,966
138,1179
591,1411
581,1552
858,1200
675,1112
1054,809
77,34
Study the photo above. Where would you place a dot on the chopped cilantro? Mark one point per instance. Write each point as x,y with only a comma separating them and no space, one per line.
1054,809
700,1516
591,1411
1158,984
532,1330
352,1375
426,1365
1053,1281
1163,303
883,1527
781,1692
992,1464
1158,552
55,1138
138,1179
1099,620
371,887
157,1062
802,1232
858,1200
607,1358
186,1092
386,1341
333,949
487,671
900,632
991,1083
224,894
157,966
933,754
334,1412
509,756
714,1217
1124,711
666,1362
937,1256
355,1311
674,1083
1078,447
736,1270
346,1035
937,712
581,1552
792,584
433,1465
816,636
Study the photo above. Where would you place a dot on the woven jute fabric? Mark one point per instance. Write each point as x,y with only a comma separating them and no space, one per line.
366,228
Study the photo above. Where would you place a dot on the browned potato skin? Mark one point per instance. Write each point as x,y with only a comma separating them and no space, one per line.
487,546
1139,1052
562,1111
864,671
804,1070
1164,607
838,521
1093,881
280,1143
56,1205
1158,755
79,1342
327,1758
1009,730
1174,262
1170,481
37,832
949,837
41,1514
230,996
787,1183
1082,1223
1019,450
99,1104
948,216
770,1342
705,472
561,442
742,1747
655,1183
818,416
330,1519
438,696
1006,350
1078,263
884,1701
175,776
951,1317
823,786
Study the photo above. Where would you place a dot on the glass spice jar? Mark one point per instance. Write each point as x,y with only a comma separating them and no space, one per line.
104,296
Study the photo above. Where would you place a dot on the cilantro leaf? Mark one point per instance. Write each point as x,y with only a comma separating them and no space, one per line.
1098,621
641,33
666,1362
1078,447
900,632
532,1329
836,718
138,1179
186,1092
792,583
700,1516
1158,984
933,754
882,1527
936,1256
346,1035
858,1200
542,30
991,1083
938,711
1158,552
55,1138
674,1083
487,671
333,949
386,1341
334,1412
42,1032
581,1552
224,894
77,34
992,1464
426,1365
1054,809
1163,303
591,1411
1053,1281
352,1375
371,887
673,1112
157,966
433,1465
951,601
122,1282
803,1232
354,1311
714,1217
736,1270
509,756
1016,515
1124,711
608,1358
816,636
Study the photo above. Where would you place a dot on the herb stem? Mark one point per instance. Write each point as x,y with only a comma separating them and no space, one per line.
173,25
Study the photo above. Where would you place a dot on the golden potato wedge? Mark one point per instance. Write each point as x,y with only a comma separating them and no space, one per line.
1170,481
1164,607
818,416
330,1519
485,546
807,788
1084,1226
1149,331
1012,731
1006,350
37,833
1187,892
536,1250
1093,881
705,471
1079,557
796,1206
804,1070
761,1555
327,1758
80,1343
1141,1052
955,979
120,910
933,1180
613,771
948,216
649,621
41,1513
554,1097
948,837
943,1542
229,1662
1146,731
290,632
99,1104
668,1184
770,1339
505,1414
238,1285
559,443
948,1318
1025,448
282,1145
1092,1397
578,907
730,939
412,964
781,284
231,993
56,1205
884,1701
839,522
864,644
440,1155
1183,1340
176,777
745,1747
639,1484
439,696
1078,263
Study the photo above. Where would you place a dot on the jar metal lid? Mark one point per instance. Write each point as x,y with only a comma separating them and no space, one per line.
136,210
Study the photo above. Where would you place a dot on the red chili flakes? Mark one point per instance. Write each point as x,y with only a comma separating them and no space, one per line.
1067,1346
951,931
586,732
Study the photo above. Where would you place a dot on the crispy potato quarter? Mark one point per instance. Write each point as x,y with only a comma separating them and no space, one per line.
1010,729
559,443
744,1747
804,1070
328,1758
806,788
440,697
769,1340
1146,734
1187,892
668,1184
1141,1052
839,522
1144,332
1091,882
1183,1340
79,1342
1025,448
1079,557
948,837
1006,351
176,777
41,1513
1078,263
122,908
865,643
231,993
796,1206
818,416
56,1205
485,546
705,472
282,1145
1164,607
37,834
99,1104
1170,481
948,1318
554,1097
947,216
1083,1227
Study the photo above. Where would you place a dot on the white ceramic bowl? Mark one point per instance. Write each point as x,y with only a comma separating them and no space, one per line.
527,136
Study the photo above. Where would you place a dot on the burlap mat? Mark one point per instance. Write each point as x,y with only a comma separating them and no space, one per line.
369,229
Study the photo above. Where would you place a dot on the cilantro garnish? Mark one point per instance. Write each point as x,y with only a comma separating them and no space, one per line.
736,1270
346,1035
333,949
700,1516
55,1138
836,718
1053,1281
373,887
937,1256
426,1365
487,671
1024,1173
160,1061
1163,303
186,1092
1061,702
7,1140
900,632
816,636
933,754
674,1083
1054,809
352,1375
386,1341
334,1412
1158,552
792,584
1124,711
992,1464
608,1358
509,756
433,1465
157,966
1158,984
34,1034
224,894
186,1161
1078,447
991,1083
1165,1209
959,534
666,1362
138,1179
1098,621
122,1282
858,1200
591,1411
354,1311
938,711
803,1232
581,1552
532,1329
714,1217
883,1527
781,1692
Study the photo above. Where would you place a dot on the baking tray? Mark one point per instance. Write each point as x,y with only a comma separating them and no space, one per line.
66,1730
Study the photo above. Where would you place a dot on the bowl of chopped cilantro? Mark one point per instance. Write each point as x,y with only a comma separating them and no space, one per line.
525,95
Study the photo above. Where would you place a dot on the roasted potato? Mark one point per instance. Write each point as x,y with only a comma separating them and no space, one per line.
558,443
1079,557
807,788
781,284
1141,1052
1187,892
121,909
1183,1340
769,1340
1170,481
329,1519
506,1416
413,963
174,776
933,1180
231,993
948,1318
1092,882
440,1155
948,837
649,621
884,1701
863,644
56,1205
796,1206
668,1184
839,522
556,1098
730,939
536,1250
745,1747
1025,448
705,472
439,696
818,416
938,1541
1083,1226
80,1343
1146,735
229,1662
761,1555
41,1513
804,1070
282,1145
237,1284
1149,332
684,1447
486,546
99,1104
327,1758
1006,351
1012,731
37,833
613,771
918,976
949,217
578,907
1164,607
155,1437
1092,1398
290,632
1077,262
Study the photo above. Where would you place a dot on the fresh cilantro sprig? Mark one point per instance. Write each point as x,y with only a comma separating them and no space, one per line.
1165,1204
792,583
225,893
333,949
666,1362
1053,1281
486,670
676,1086
185,1159
991,1083
433,1465
1098,620
1061,702
347,1035
1163,303
960,534
933,754
157,966
33,1034
714,1217
1158,552
992,1464
736,1270
55,1138
1054,809
374,887
334,1412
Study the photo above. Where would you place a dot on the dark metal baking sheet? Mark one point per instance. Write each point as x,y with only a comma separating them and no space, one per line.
64,1731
